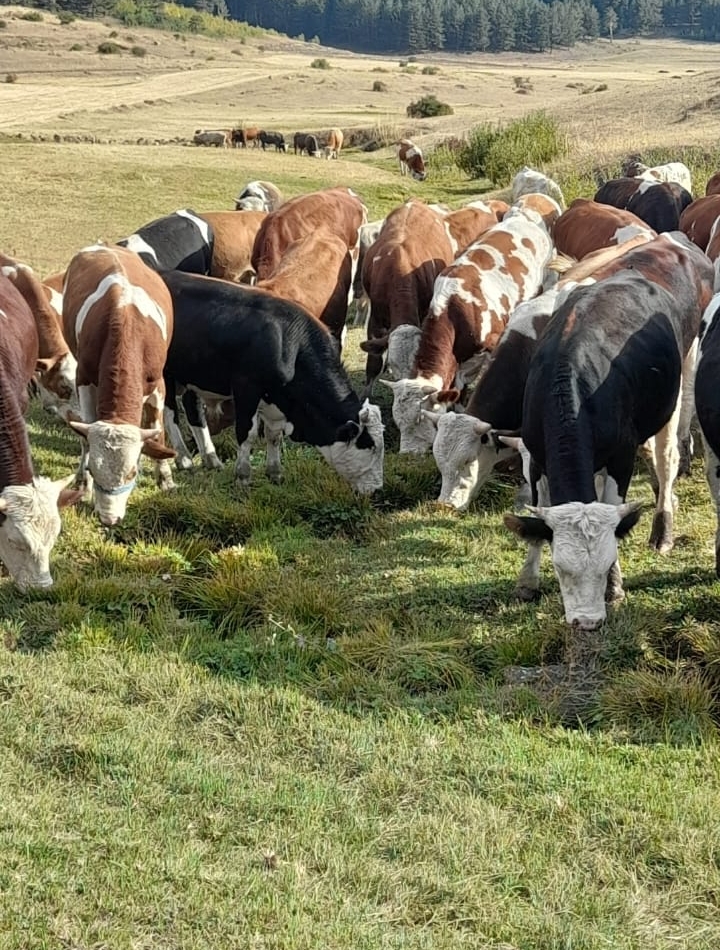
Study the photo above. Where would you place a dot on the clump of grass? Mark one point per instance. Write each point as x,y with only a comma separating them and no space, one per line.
11,77
139,51
320,63
108,48
379,86
496,151
34,16
65,17
380,69
3,24
427,107
76,47
430,70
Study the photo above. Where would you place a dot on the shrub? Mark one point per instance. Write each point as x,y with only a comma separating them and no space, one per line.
237,52
108,47
427,107
65,17
112,33
496,152
76,47
138,51
11,77
379,69
379,86
3,24
33,15
430,70
320,63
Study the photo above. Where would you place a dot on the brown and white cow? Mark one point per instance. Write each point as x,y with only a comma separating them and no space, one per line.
471,304
410,159
118,321
713,184
56,367
233,239
398,275
29,515
589,225
698,219
528,181
546,206
334,143
465,225
671,171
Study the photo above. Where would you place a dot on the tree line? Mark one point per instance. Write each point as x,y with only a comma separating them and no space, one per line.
413,26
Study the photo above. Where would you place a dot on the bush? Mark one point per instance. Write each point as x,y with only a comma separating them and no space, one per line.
3,24
33,15
11,77
430,70
138,51
112,33
76,47
65,17
320,63
496,152
427,107
107,48
379,86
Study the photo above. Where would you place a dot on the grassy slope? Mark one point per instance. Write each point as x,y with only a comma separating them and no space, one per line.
281,720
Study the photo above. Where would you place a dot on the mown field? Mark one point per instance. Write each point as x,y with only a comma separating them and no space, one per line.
293,718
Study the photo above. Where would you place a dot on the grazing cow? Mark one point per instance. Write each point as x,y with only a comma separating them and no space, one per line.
398,275
179,241
672,171
221,138
235,341
713,185
618,191
698,219
546,206
588,225
465,448
661,206
410,159
467,224
259,196
707,402
56,367
605,378
306,142
234,235
245,136
118,320
528,182
237,138
367,236
29,506
334,143
472,301
272,138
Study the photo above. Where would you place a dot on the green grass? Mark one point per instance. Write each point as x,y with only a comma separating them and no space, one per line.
283,718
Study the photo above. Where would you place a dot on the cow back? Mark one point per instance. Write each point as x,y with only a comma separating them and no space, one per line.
18,356
178,241
233,239
697,219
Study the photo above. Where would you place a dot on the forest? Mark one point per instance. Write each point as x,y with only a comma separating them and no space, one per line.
413,26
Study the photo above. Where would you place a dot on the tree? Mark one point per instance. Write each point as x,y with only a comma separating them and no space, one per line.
611,22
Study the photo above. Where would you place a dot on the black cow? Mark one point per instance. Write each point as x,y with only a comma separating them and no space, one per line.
179,241
707,404
618,191
234,341
272,138
661,205
305,142
604,379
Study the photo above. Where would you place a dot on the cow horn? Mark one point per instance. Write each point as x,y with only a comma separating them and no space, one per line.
388,382
147,434
82,428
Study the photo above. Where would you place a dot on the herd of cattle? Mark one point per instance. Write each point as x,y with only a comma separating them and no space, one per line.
328,145
576,337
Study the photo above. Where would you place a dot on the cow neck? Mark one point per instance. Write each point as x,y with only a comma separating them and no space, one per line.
50,338
15,460
569,441
498,395
435,355
121,372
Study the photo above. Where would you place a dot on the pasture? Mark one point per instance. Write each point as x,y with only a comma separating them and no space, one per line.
295,718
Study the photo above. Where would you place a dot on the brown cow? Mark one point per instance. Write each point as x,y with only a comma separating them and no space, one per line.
467,224
234,236
245,136
588,225
410,159
698,218
713,185
118,321
334,143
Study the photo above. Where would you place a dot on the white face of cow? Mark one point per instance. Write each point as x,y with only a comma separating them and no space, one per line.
465,454
583,539
360,461
29,526
410,397
403,343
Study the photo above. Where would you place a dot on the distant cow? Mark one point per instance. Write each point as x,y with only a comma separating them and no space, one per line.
410,159
118,321
179,241
672,171
259,196
221,138
334,143
306,142
529,181
588,225
244,136
243,343
29,515
272,138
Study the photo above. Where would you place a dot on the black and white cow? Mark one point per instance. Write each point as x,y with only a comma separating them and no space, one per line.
604,379
707,403
179,241
272,138
235,341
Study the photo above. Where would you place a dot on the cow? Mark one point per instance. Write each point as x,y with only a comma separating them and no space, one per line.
618,191
713,251
29,505
398,277
713,184
220,138
529,181
272,138
259,196
367,236
698,219
233,341
56,367
241,137
410,159
466,224
118,321
466,447
707,402
546,206
472,301
306,142
178,241
605,378
661,206
233,239
588,225
672,171
237,138
334,143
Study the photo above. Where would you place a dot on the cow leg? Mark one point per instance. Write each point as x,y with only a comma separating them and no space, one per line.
244,453
195,412
373,367
527,587
611,495
87,396
274,428
183,458
667,458
152,418
687,410
247,405
712,473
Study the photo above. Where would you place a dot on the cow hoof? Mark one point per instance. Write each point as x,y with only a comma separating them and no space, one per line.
212,461
275,477
183,463
661,537
686,454
526,594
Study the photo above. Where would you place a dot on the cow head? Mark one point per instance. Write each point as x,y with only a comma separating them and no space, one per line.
358,452
410,397
583,539
56,377
113,458
465,453
29,526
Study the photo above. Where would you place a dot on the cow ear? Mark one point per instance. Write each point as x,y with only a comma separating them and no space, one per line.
448,396
69,496
157,450
529,529
629,517
376,346
44,365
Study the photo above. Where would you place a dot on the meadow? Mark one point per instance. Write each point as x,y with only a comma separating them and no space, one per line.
296,718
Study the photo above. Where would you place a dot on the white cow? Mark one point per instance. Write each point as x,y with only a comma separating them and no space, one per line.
672,171
529,181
